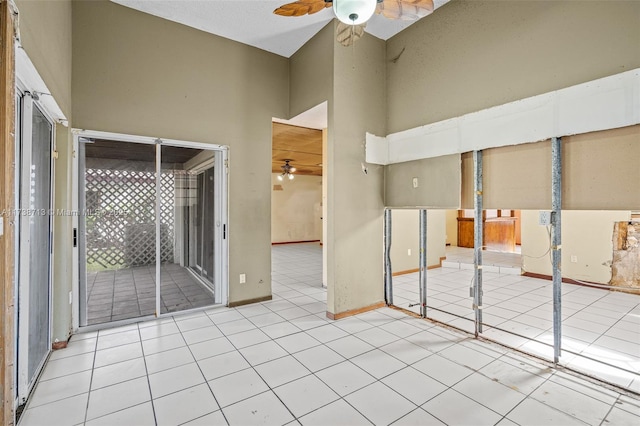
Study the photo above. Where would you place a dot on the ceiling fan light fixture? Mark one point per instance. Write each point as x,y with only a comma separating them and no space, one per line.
354,12
287,171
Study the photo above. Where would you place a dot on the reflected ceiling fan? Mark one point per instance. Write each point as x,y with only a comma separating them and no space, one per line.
354,14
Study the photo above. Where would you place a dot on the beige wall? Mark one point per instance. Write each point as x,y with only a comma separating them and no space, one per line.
45,34
138,74
516,177
352,80
45,30
506,51
452,227
585,234
354,199
471,55
438,183
296,209
405,227
600,172
313,62
311,73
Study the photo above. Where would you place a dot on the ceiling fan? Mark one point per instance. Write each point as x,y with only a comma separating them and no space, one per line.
287,171
354,14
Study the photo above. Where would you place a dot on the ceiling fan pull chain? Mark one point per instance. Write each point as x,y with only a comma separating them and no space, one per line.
353,48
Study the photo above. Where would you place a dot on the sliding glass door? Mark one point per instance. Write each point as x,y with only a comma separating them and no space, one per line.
35,169
187,210
150,228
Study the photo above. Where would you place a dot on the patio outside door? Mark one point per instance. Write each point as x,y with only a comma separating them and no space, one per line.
150,227
117,230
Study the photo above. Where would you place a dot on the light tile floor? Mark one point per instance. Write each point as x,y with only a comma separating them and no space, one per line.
601,328
492,261
282,362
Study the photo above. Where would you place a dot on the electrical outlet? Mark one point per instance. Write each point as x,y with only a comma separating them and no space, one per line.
574,258
408,252
545,218
243,278
415,182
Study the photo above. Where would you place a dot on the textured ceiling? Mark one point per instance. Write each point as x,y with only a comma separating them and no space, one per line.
252,22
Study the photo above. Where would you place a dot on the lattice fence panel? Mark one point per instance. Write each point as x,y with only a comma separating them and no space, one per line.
120,217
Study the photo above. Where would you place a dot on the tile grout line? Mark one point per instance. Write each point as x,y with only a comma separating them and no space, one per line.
269,388
604,418
144,359
224,416
93,365
114,384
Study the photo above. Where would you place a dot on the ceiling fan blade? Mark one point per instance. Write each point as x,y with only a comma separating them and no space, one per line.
405,9
301,7
348,34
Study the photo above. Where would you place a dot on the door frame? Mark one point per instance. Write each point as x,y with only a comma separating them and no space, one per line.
24,143
197,269
221,228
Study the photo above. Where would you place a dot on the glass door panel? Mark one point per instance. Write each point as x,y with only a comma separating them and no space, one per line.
34,286
187,228
117,230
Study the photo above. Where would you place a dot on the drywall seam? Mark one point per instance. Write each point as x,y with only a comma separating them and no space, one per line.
606,103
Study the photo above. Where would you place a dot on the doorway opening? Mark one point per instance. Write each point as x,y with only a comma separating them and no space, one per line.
298,200
151,227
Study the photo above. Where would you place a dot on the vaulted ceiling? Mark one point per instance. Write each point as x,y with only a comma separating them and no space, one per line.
252,22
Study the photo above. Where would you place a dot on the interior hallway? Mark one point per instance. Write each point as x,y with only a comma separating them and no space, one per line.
283,362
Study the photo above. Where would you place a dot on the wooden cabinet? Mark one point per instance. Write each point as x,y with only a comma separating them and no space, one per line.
499,232
465,232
